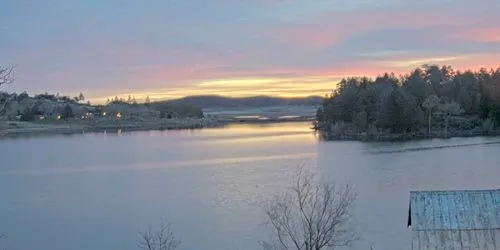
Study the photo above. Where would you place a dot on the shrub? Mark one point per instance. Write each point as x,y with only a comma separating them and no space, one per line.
67,112
338,129
488,126
372,132
28,115
22,96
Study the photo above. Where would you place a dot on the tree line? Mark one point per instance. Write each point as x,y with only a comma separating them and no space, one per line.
429,101
214,101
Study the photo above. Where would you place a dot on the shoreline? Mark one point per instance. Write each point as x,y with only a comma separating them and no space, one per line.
407,136
14,129
18,129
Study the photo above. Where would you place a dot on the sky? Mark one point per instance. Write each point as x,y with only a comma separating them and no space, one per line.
173,48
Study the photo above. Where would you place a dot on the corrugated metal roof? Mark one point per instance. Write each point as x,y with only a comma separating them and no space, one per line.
456,239
455,219
453,210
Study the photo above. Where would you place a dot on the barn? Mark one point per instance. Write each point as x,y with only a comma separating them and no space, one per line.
455,219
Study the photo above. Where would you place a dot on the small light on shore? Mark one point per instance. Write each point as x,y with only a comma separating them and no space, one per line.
103,113
58,117
118,115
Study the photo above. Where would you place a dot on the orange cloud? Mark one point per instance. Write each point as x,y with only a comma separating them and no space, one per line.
285,82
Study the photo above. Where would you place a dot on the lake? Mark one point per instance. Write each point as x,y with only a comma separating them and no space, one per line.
98,191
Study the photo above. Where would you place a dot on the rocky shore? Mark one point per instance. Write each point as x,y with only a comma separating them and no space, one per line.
393,137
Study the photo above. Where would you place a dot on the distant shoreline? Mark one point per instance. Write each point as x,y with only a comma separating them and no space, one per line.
14,129
17,129
9,129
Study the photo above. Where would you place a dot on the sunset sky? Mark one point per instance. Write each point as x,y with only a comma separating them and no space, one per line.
173,48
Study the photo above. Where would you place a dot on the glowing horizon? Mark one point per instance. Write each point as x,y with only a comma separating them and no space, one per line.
324,85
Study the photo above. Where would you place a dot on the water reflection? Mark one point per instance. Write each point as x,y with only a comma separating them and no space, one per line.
96,191
234,161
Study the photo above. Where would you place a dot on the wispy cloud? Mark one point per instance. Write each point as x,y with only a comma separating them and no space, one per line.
418,62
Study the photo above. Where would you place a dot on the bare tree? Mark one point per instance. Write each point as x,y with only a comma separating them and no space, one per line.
161,239
447,110
311,215
6,75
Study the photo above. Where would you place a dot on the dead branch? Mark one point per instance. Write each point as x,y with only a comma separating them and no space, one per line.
311,215
162,239
6,75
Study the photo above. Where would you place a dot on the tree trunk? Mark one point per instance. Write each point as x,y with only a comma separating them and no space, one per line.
446,126
429,132
2,106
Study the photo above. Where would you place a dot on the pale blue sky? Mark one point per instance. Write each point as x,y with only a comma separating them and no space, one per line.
172,48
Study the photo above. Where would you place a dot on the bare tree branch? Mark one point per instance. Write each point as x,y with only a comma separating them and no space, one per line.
6,75
311,215
162,239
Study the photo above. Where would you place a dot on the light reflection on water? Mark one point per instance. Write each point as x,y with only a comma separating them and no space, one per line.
158,165
97,192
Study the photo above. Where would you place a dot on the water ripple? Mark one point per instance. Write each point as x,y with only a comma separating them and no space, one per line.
157,165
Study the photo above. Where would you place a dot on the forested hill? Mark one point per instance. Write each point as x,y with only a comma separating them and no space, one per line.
429,101
214,101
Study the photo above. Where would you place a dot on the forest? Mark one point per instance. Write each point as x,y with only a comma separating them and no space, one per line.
430,101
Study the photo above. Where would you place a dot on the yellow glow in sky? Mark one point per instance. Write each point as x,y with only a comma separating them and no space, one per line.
248,82
314,82
244,87
420,62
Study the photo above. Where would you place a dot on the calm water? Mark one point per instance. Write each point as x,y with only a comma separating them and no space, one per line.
97,191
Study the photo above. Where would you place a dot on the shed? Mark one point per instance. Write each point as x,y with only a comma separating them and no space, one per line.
455,219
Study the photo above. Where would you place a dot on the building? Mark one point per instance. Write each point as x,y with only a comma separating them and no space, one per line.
455,219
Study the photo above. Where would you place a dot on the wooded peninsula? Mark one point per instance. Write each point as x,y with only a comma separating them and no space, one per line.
429,102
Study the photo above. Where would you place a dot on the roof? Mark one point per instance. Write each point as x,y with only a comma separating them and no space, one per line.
456,239
474,209
455,219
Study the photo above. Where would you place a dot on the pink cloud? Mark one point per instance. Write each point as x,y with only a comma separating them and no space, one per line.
331,28
491,34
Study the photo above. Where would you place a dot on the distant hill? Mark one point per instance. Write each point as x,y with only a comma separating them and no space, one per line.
214,101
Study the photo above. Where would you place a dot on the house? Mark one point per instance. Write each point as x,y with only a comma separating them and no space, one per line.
455,219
